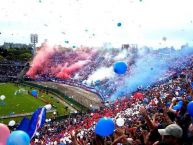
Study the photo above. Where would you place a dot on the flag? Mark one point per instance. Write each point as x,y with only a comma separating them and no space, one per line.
24,125
37,121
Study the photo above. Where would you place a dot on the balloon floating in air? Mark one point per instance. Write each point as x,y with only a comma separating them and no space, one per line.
164,38
12,123
34,93
178,105
18,138
105,127
2,97
120,122
48,107
119,24
4,133
120,67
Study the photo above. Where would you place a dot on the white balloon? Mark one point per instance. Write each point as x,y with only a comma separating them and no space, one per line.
37,133
11,123
2,97
54,113
48,107
120,122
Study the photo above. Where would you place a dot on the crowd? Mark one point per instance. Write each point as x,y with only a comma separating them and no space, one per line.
154,119
9,70
71,61
66,64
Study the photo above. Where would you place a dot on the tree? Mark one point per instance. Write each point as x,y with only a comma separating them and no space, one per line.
25,56
22,54
1,57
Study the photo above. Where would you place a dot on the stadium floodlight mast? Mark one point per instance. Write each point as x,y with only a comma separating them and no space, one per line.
34,40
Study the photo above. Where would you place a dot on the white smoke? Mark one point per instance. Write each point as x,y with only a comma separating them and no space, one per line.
122,55
101,74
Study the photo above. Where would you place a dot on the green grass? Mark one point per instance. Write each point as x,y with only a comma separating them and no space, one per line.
17,120
55,103
20,103
25,103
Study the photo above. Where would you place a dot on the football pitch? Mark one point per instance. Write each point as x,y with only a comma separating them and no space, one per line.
18,100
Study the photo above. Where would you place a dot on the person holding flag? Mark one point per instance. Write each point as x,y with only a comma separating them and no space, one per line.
37,121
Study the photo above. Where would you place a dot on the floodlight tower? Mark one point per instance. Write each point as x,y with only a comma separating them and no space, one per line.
34,40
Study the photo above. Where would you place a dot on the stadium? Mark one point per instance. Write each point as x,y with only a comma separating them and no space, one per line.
79,93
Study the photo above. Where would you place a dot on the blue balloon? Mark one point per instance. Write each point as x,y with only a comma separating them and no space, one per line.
34,93
119,24
120,67
18,138
105,127
190,108
178,105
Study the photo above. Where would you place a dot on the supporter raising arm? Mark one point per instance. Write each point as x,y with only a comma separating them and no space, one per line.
165,115
74,139
171,105
148,120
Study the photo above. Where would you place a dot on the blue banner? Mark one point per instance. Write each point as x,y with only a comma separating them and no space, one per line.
24,125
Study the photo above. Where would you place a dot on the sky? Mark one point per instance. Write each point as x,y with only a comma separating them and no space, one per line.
94,22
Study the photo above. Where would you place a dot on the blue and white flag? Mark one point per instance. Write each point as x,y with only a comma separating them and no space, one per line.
37,121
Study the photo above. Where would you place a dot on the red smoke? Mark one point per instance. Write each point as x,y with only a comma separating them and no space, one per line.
56,62
65,72
40,60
